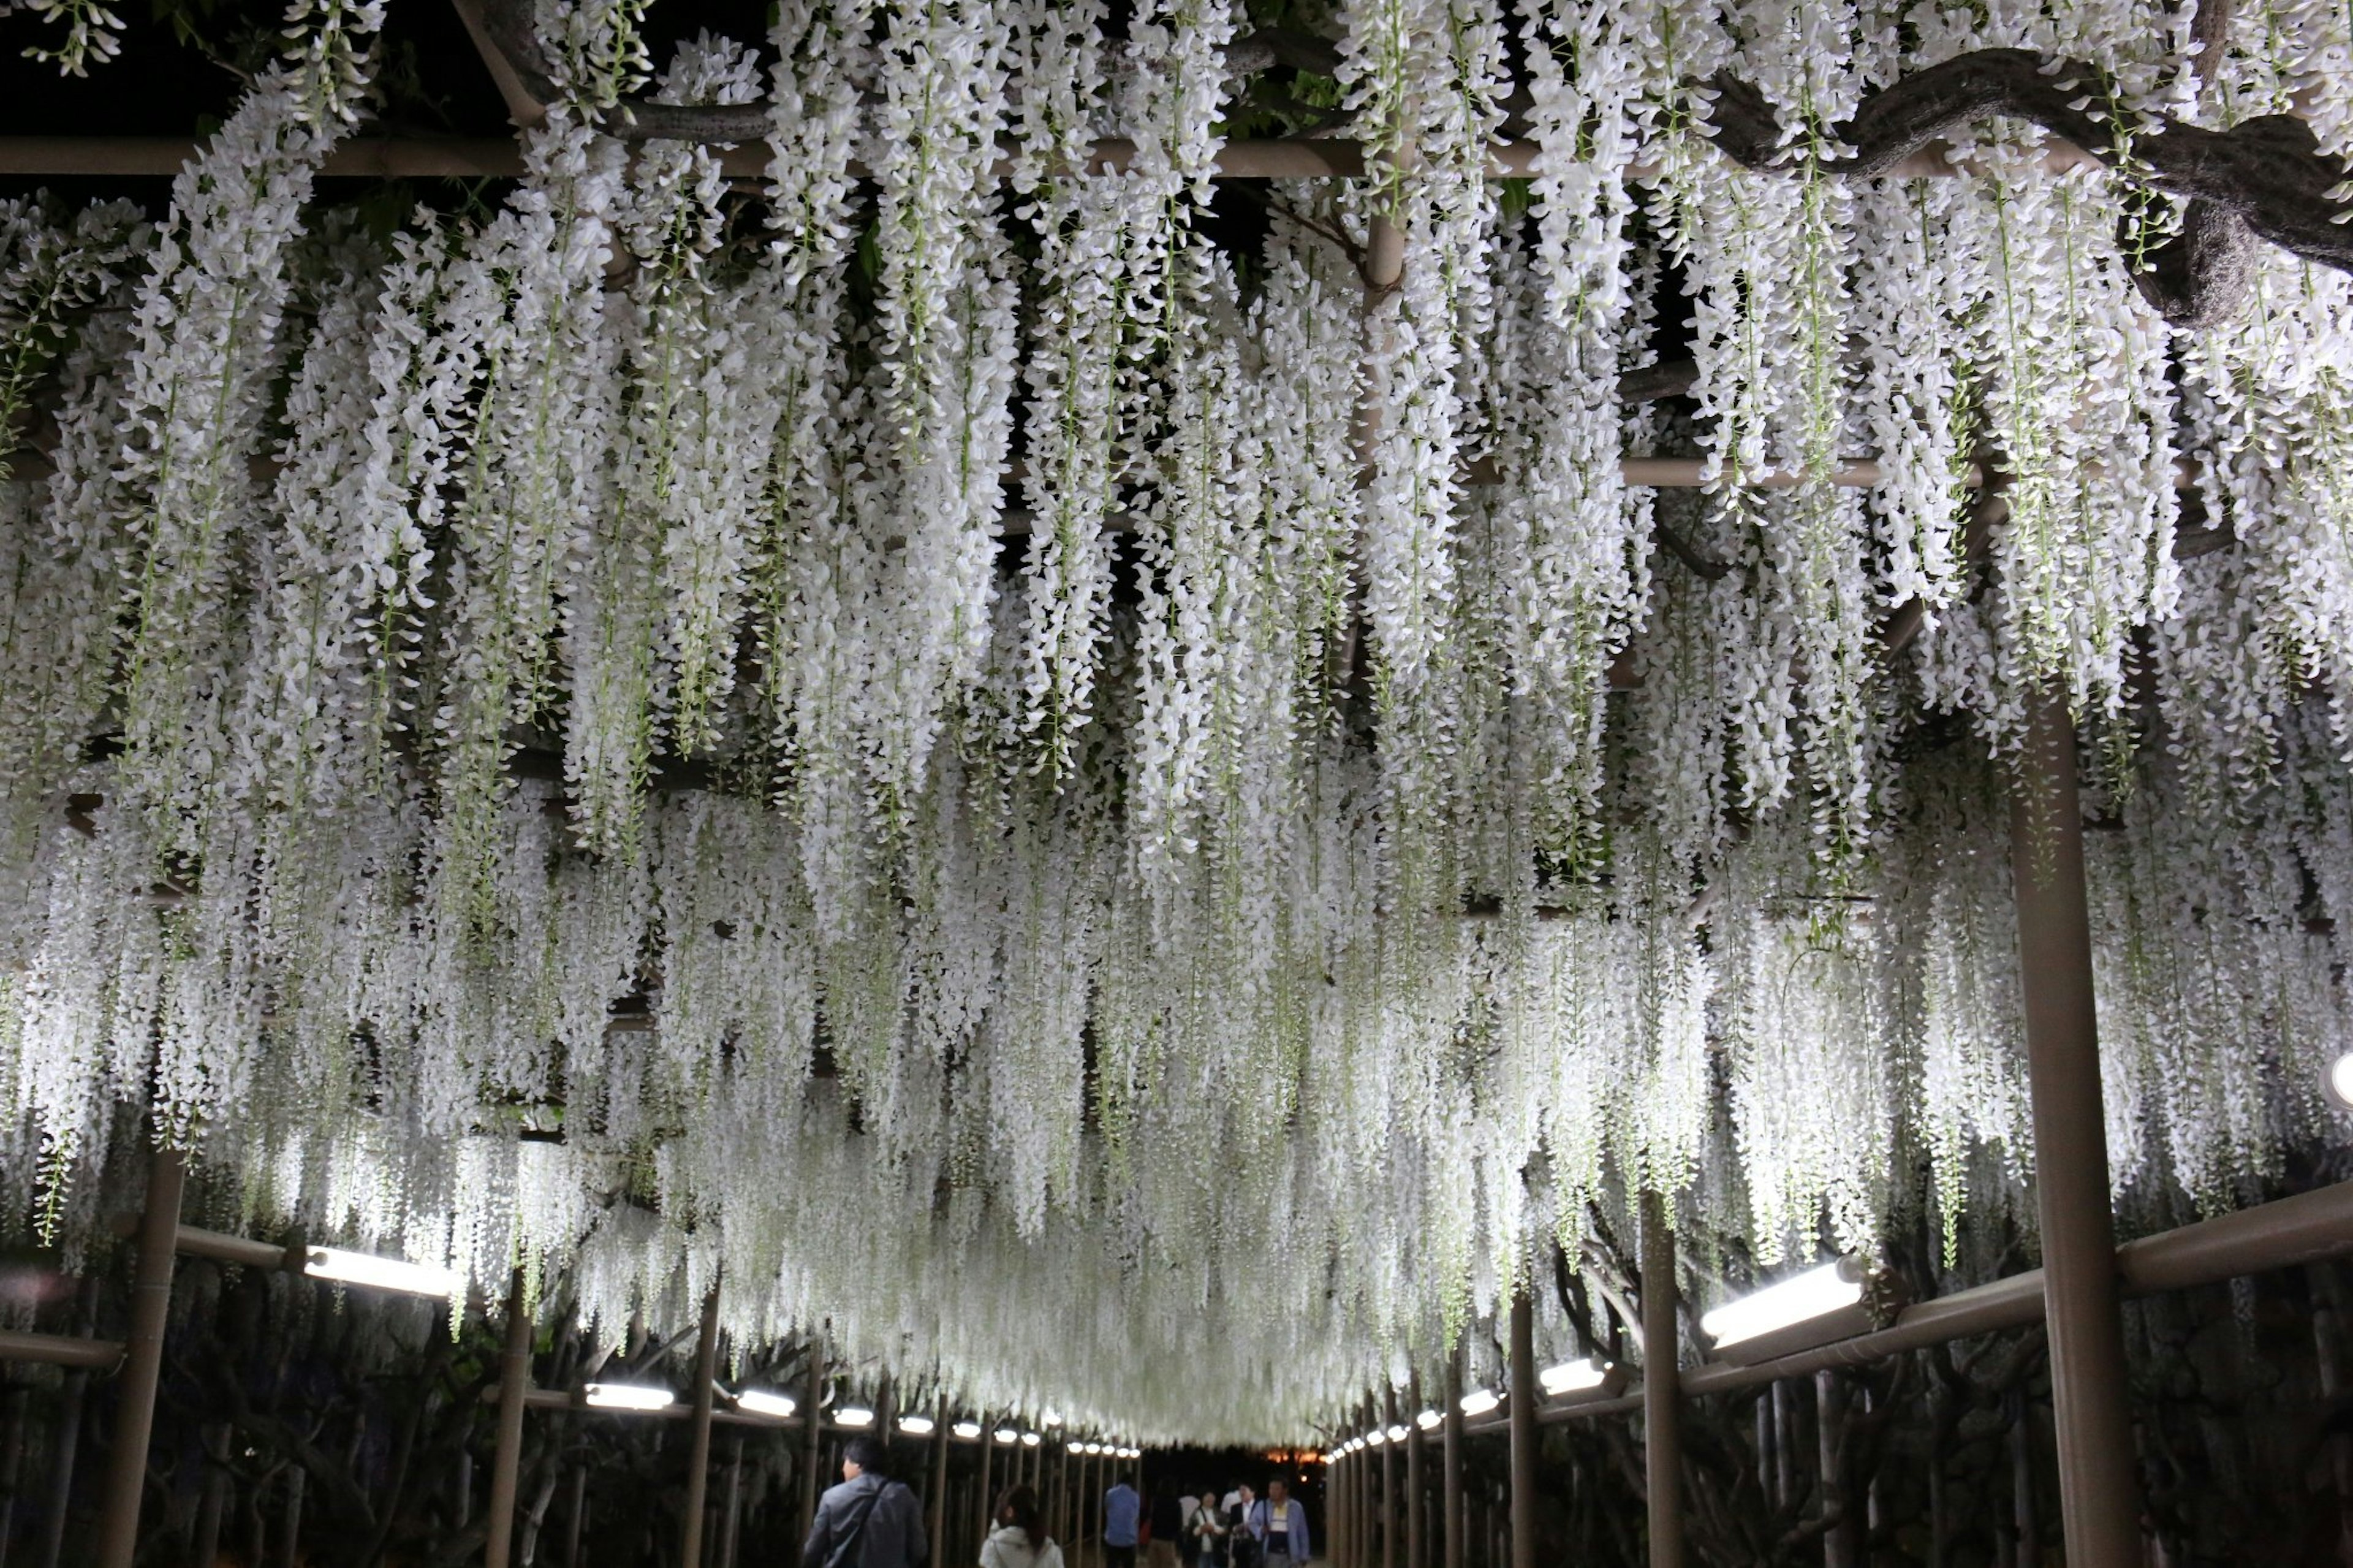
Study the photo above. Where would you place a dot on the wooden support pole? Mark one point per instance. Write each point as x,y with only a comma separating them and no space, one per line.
938,1522
506,1457
697,1453
1338,1506
985,1506
1369,1495
2099,1486
142,1360
1354,1552
1386,1415
1450,1461
1523,1395
1417,1481
67,1444
1661,1388
812,1433
732,1526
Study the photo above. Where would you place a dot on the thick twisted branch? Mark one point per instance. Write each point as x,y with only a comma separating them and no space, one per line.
2264,178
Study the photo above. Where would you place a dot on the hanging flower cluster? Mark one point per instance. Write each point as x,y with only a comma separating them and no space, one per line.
1010,771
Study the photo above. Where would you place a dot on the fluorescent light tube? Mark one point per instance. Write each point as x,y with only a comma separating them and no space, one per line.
1793,1300
1031,1439
853,1416
1573,1376
1051,1419
1429,1420
628,1397
1398,1434
1480,1401
1008,1434
2341,1081
379,1273
760,1402
966,1429
1377,1436
918,1425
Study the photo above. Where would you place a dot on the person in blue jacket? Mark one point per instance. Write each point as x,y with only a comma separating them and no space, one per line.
1122,1511
1279,1525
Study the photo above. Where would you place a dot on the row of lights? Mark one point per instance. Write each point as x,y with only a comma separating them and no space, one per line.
1106,1450
1816,1293
376,1272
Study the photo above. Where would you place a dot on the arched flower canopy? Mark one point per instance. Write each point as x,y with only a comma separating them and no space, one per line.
1036,758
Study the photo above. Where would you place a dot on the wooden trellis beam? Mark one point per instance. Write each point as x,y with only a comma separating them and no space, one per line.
2286,1233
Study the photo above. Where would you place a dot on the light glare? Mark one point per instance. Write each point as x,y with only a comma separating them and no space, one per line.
379,1273
918,1425
966,1429
628,1397
1428,1420
2341,1081
1571,1377
1793,1300
1480,1401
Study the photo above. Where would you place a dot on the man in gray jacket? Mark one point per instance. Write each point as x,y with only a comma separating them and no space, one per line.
869,1521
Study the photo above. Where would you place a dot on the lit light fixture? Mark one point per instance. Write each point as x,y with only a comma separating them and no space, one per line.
2339,1082
1573,1376
1031,1439
760,1402
967,1430
854,1416
1377,1436
379,1273
1051,1419
918,1425
1429,1420
1800,1299
1480,1401
1008,1434
628,1397
1398,1434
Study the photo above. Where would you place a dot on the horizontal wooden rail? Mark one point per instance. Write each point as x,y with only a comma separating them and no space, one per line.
2305,1228
60,1350
501,158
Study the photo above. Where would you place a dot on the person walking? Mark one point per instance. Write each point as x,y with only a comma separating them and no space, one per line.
1123,1510
1242,1545
1279,1527
1020,1540
1205,1531
869,1521
1167,1518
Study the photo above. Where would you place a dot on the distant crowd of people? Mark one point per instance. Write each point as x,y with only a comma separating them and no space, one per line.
872,1521
1237,1529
